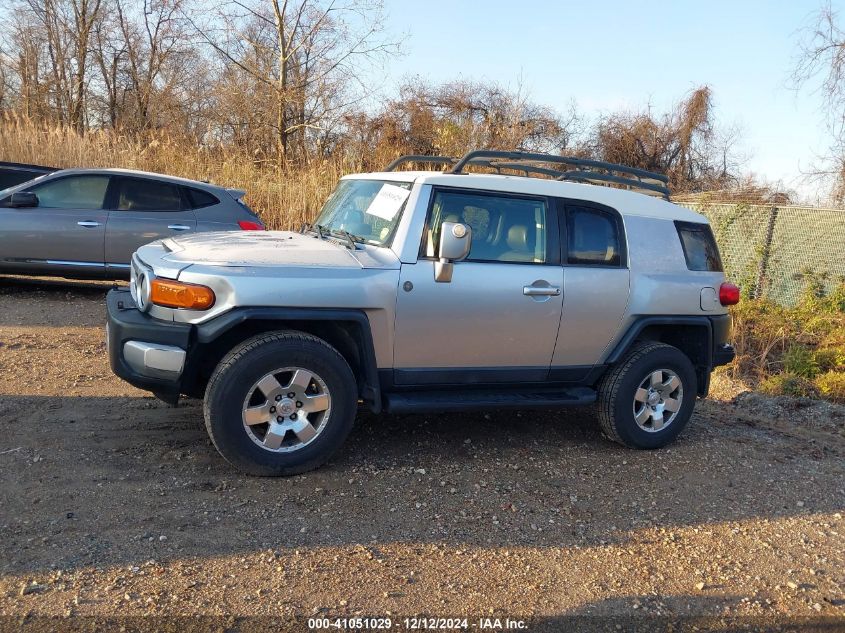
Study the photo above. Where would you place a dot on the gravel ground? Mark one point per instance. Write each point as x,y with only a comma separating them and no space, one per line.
113,504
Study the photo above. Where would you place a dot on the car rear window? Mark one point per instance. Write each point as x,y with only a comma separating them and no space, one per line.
699,246
199,198
141,194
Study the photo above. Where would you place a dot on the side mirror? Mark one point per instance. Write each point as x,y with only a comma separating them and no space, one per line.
23,199
455,242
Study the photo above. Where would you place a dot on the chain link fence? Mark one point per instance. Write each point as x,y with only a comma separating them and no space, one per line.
773,252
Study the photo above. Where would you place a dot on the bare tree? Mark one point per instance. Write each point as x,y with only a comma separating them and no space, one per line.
66,27
683,143
307,57
456,116
821,61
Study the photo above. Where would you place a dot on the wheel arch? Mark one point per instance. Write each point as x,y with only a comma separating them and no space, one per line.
693,335
348,331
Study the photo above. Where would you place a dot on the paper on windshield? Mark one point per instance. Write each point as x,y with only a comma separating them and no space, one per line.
388,201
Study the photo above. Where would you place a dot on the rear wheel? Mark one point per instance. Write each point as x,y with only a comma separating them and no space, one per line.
280,404
647,399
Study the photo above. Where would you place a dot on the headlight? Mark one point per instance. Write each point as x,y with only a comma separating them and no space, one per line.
176,294
139,286
143,290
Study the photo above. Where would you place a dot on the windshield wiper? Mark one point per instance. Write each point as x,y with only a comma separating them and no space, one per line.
351,239
316,229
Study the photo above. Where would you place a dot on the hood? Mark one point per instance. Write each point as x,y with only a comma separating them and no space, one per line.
257,248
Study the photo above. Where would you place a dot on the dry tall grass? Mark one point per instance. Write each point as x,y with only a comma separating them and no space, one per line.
284,198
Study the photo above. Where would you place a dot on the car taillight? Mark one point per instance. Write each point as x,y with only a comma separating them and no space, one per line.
247,225
728,294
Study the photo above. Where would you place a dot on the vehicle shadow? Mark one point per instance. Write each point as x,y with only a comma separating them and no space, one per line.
681,612
53,301
58,285
120,480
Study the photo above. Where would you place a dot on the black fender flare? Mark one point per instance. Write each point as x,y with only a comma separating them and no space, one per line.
211,330
642,322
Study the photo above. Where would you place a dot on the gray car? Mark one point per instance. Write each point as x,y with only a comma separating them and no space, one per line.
88,222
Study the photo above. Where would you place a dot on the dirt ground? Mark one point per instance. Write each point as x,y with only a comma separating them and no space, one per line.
113,504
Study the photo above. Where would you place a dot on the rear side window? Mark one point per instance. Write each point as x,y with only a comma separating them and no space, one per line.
246,207
147,195
699,246
592,237
198,198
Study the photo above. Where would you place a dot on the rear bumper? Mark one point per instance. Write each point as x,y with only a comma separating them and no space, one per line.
723,355
147,353
723,352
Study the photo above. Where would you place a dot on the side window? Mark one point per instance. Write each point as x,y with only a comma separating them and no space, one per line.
199,198
504,228
137,194
73,192
699,246
592,237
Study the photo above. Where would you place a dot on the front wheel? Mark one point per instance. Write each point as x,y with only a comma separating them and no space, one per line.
280,404
647,399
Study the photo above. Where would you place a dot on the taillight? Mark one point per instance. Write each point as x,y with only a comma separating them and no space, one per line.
728,294
247,225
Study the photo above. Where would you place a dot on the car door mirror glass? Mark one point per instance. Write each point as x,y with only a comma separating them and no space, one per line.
23,199
455,243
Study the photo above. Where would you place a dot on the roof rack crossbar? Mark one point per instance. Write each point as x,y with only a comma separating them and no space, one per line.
577,169
526,168
472,156
576,175
592,177
419,158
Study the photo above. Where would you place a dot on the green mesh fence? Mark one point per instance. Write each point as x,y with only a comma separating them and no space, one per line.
774,251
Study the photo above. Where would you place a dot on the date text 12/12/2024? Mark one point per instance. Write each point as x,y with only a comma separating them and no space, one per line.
418,624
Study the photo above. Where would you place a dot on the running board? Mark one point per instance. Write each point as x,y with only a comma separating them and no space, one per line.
425,401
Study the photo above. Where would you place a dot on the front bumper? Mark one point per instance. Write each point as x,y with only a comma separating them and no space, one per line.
147,353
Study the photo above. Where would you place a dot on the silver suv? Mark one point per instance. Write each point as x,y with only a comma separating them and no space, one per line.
435,291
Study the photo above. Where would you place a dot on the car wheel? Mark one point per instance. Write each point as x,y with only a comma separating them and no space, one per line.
280,404
647,399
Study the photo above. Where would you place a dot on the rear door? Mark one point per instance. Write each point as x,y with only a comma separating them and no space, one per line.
596,285
63,235
142,210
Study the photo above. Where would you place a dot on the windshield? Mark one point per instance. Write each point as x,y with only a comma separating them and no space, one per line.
369,209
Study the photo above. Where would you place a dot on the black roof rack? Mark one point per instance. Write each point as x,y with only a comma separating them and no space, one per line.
575,169
419,158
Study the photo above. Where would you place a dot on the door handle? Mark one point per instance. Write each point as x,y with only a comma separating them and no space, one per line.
179,227
88,224
541,291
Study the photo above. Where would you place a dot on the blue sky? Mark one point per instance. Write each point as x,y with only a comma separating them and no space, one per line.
611,54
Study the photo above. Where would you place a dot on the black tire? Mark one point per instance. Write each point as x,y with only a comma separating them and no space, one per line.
247,363
618,387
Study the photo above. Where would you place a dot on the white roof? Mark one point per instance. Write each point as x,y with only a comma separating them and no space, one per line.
626,202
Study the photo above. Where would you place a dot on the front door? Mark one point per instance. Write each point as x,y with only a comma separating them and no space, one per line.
63,235
497,320
141,211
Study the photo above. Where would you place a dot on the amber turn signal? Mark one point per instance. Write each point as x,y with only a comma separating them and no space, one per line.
176,294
